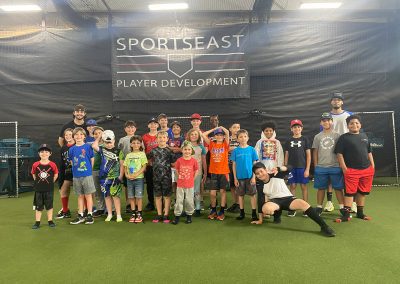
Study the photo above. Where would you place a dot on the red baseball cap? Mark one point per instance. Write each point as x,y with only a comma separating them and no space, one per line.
296,122
195,116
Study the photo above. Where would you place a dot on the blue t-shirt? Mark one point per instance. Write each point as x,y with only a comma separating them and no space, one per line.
244,158
80,157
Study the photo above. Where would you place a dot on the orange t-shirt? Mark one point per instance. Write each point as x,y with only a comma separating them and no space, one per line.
218,158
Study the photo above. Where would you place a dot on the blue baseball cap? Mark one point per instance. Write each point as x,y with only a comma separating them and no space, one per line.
91,122
219,131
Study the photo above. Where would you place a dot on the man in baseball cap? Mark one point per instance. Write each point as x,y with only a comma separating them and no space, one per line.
79,115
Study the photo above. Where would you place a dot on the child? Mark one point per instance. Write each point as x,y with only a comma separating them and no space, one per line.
135,164
90,125
65,180
101,203
326,164
219,169
242,159
44,174
298,155
81,156
163,123
174,143
111,172
194,137
269,149
274,196
233,143
162,158
355,158
187,169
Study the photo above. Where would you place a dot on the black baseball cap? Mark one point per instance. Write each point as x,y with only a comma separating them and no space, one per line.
337,95
45,147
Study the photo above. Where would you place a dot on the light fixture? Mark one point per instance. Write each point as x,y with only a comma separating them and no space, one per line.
170,6
320,5
21,8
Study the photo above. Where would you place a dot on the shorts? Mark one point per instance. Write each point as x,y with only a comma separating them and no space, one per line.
231,177
162,186
111,187
173,175
284,202
219,181
43,200
135,188
296,175
322,176
124,181
245,187
84,185
358,181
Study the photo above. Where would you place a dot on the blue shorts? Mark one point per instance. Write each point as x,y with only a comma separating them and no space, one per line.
322,176
296,175
135,188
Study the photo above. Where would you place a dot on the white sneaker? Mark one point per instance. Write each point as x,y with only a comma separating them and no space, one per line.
108,219
354,208
329,206
119,219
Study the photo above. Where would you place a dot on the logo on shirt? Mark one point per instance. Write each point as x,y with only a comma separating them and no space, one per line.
327,143
292,144
268,150
44,174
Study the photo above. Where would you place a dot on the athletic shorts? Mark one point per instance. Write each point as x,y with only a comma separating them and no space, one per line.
245,187
43,200
111,187
231,177
219,181
84,185
284,202
358,181
135,188
162,186
296,175
322,176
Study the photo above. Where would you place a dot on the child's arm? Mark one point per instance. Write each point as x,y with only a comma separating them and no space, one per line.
308,163
196,173
55,177
234,173
261,199
371,160
226,131
95,144
315,156
34,176
342,163
121,170
204,163
286,158
92,161
279,154
205,135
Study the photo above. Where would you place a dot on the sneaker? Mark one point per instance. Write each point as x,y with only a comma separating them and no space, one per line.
98,213
241,217
132,219
318,210
67,214
60,215
197,213
149,207
353,208
119,219
221,216
36,226
188,219
166,220
232,209
78,220
291,213
139,219
329,207
212,215
52,224
342,219
157,219
183,214
89,219
277,220
175,221
305,215
328,231
254,218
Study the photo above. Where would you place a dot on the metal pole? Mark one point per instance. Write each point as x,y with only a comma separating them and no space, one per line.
395,149
16,159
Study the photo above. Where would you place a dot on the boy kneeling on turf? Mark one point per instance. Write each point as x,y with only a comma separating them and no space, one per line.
274,196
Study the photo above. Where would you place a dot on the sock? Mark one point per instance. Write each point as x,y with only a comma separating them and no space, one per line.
242,212
277,216
345,213
254,212
360,212
222,210
89,213
319,206
37,223
315,217
329,196
213,209
139,213
64,201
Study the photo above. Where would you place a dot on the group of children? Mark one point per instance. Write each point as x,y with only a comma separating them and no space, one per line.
171,162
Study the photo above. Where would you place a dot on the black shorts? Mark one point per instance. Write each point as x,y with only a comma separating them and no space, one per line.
219,181
162,186
231,177
284,202
43,200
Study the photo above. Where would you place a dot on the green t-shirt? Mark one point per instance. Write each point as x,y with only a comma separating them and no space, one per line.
110,162
133,162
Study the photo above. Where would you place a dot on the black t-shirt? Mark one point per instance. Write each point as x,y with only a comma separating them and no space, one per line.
162,159
72,125
44,181
297,151
355,149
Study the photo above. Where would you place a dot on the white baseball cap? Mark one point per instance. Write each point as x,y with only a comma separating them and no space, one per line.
108,135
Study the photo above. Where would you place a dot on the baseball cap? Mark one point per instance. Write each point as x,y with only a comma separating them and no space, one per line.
337,95
219,131
326,115
98,127
195,116
175,122
162,115
296,122
187,143
80,107
44,147
91,122
153,119
108,135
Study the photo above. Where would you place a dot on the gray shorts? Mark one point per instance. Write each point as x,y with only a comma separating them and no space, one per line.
84,185
245,187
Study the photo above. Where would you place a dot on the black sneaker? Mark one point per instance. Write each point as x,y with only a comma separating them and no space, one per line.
98,213
175,221
328,231
67,214
240,217
232,208
197,213
36,226
52,224
319,210
291,213
183,214
78,220
277,220
60,215
254,218
89,219
188,219
149,207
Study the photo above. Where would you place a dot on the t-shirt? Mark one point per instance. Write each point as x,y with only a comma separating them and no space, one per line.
90,139
339,121
162,159
72,125
297,151
270,153
44,181
232,143
80,157
199,151
325,143
218,158
355,149
125,144
133,162
110,166
244,158
65,165
186,170
176,142
149,142
97,160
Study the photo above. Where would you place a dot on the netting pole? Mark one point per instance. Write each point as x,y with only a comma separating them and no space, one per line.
395,149
16,160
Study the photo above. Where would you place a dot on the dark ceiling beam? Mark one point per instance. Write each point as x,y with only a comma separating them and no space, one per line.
261,10
73,17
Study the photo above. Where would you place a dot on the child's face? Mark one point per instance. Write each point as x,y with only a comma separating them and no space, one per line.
195,123
219,137
79,137
262,174
268,132
194,136
68,137
187,151
163,122
109,144
326,123
354,126
176,130
44,154
97,133
130,130
243,138
135,144
296,129
90,129
162,140
153,126
234,128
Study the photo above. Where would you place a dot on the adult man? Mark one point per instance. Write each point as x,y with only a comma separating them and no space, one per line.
79,115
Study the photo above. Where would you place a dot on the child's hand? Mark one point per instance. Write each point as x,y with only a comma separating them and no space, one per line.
275,171
306,173
258,222
203,180
253,180
236,182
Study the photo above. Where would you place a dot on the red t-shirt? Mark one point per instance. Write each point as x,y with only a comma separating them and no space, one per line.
149,142
186,170
218,158
44,181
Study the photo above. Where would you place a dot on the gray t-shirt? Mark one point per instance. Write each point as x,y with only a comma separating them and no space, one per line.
125,144
325,143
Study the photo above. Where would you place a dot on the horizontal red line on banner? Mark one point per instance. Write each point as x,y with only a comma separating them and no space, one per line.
141,64
217,62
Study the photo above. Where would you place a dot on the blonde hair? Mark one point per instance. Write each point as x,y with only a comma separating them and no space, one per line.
162,133
190,132
79,129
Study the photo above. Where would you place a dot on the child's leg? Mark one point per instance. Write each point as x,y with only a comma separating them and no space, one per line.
241,202
167,204
132,203
117,204
179,201
213,196
189,201
64,194
253,202
108,202
340,197
139,203
50,214
360,199
81,203
38,215
320,197
89,203
197,193
304,191
159,205
223,197
292,188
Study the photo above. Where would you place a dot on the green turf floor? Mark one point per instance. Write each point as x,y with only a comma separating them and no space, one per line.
205,251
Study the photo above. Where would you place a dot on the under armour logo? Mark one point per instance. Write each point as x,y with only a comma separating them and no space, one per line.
298,144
